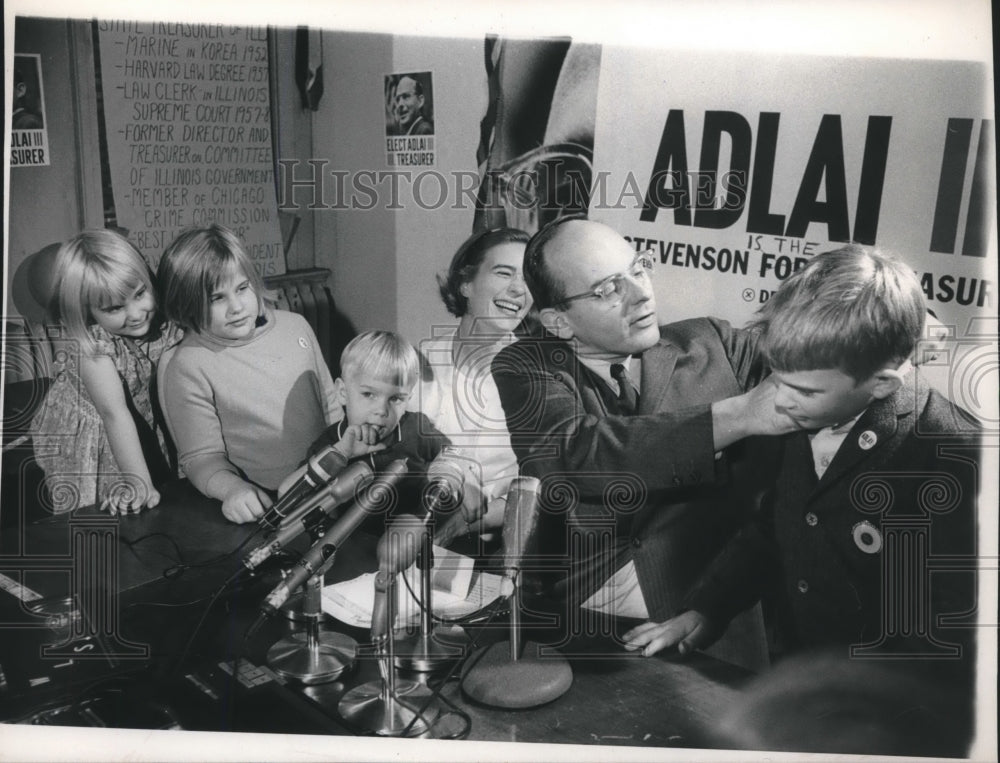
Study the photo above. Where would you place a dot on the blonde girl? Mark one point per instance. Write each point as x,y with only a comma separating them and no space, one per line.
96,436
247,391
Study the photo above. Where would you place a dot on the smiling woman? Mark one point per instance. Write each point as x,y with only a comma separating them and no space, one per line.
485,290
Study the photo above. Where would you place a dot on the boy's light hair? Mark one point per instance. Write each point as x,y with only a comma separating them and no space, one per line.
194,265
854,309
94,268
380,355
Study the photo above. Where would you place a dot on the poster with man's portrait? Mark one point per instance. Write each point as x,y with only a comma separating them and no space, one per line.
29,144
409,119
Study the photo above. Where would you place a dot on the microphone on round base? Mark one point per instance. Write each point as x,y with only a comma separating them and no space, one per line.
407,712
515,674
312,659
390,706
314,654
535,678
428,652
431,649
317,655
406,540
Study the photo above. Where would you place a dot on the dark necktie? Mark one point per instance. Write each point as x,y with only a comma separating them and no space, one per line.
627,394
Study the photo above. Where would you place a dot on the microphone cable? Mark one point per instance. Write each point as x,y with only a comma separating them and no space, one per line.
175,571
131,544
492,611
487,612
438,688
201,621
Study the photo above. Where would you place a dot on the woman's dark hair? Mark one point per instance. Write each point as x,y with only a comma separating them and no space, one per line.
465,264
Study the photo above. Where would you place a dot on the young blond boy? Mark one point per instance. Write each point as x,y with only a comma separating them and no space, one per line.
378,372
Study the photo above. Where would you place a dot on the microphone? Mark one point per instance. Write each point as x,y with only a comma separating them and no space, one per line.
380,609
320,469
398,547
380,496
445,486
445,482
520,523
407,538
311,512
443,494
517,674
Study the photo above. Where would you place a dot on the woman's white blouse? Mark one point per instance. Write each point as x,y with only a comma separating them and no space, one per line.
464,405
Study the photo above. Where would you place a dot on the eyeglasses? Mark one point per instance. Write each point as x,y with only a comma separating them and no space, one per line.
611,290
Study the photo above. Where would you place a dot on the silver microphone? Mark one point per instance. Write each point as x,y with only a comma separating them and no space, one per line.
399,545
445,483
311,512
320,469
378,497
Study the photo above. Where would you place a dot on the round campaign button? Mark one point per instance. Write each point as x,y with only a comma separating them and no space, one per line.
867,440
867,537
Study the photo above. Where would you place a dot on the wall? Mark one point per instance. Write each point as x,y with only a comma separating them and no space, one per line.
384,259
292,137
358,246
50,204
429,233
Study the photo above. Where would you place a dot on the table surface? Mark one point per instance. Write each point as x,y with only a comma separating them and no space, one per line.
616,697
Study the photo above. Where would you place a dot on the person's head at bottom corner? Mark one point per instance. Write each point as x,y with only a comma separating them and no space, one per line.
821,701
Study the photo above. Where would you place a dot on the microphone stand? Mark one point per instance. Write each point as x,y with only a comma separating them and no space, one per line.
518,673
389,706
305,608
315,654
426,652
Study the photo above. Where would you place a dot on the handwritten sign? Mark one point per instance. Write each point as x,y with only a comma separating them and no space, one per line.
187,112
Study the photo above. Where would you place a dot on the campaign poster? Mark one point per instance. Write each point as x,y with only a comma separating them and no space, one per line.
409,119
29,138
743,167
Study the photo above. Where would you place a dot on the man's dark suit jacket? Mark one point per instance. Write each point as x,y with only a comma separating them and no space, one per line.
420,126
644,487
851,557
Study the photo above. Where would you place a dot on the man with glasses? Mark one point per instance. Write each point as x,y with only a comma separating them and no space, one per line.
629,425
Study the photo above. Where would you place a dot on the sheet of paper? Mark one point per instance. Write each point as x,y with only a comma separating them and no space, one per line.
456,590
